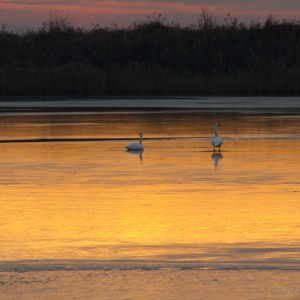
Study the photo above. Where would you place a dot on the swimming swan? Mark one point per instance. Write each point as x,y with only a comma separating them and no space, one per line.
217,141
136,146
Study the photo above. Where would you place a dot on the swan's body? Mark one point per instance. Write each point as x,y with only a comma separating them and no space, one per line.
136,146
217,141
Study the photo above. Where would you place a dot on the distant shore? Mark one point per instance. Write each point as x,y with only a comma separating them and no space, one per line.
154,58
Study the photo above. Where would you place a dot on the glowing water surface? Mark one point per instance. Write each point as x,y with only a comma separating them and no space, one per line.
69,190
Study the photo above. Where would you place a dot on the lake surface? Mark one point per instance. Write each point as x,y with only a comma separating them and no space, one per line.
71,192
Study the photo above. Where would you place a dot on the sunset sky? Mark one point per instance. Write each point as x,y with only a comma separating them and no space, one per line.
26,13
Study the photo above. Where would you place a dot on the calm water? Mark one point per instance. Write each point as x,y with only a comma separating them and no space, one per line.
69,190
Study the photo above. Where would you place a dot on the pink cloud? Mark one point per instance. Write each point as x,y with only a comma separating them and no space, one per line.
33,12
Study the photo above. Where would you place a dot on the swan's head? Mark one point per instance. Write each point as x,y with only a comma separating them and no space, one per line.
140,134
217,125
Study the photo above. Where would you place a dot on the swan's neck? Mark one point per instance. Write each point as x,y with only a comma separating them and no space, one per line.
141,140
216,131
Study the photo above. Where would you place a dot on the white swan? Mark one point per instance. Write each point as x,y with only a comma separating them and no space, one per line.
217,141
136,146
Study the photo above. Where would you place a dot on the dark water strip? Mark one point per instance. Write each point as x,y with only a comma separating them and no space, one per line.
83,265
62,140
57,140
243,105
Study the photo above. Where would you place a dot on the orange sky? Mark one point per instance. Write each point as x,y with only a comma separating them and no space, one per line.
26,13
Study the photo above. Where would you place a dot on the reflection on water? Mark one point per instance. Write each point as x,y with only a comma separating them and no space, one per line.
137,152
217,156
93,200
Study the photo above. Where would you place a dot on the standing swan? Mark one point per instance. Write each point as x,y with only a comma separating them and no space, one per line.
217,141
136,146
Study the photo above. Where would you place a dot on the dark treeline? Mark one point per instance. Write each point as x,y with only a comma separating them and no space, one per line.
153,58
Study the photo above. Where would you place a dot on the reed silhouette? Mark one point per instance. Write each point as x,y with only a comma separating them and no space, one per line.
154,58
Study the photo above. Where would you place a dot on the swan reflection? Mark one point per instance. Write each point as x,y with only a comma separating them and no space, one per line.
137,152
217,156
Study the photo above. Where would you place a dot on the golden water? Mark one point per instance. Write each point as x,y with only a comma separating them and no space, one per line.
175,201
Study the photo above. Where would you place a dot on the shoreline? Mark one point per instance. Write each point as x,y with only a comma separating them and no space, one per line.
244,105
151,285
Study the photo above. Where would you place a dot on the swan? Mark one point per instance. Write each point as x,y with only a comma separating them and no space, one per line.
136,146
217,141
